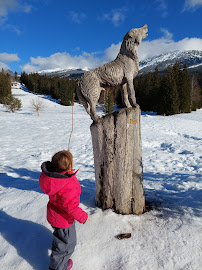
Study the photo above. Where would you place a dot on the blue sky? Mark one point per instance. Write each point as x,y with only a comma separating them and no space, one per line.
37,35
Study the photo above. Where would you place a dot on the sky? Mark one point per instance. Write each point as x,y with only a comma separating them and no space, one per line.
39,35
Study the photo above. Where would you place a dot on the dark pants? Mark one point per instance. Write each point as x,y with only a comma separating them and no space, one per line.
64,242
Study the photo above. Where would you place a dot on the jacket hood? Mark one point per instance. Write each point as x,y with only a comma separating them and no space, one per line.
51,182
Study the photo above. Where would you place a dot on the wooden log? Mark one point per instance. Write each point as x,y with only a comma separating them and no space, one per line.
118,162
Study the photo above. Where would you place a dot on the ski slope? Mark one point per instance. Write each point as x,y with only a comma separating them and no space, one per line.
165,238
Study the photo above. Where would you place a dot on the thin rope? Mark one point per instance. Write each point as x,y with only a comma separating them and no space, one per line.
72,122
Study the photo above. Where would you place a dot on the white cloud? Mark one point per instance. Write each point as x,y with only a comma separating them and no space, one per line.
7,6
147,49
162,6
12,28
4,66
26,8
116,16
62,60
77,17
7,58
111,52
192,4
166,44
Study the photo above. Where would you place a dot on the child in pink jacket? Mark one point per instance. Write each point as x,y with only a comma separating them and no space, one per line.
59,181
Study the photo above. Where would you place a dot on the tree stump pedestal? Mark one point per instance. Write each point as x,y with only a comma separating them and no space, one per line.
118,162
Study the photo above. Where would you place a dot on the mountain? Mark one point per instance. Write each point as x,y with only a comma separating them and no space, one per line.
63,73
193,59
9,72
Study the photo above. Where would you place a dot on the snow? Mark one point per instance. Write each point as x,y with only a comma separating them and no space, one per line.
196,66
191,57
167,237
58,70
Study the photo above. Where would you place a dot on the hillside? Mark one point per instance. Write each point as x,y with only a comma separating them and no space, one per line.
193,59
63,73
165,238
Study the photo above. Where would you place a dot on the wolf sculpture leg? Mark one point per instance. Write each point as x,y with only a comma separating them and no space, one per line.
131,93
124,95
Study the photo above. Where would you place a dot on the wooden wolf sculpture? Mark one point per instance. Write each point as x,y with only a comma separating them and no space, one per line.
121,71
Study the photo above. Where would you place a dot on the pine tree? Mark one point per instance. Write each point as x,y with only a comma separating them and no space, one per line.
148,91
139,85
170,101
16,76
176,73
156,95
109,103
184,91
66,92
13,104
5,85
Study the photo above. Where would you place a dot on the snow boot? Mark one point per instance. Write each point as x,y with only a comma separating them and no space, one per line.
70,264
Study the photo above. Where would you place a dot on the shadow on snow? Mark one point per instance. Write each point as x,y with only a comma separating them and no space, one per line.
26,180
177,193
31,240
176,196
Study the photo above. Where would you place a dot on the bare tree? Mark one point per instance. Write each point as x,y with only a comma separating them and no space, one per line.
37,104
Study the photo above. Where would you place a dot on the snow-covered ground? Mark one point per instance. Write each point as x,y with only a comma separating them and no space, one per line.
168,237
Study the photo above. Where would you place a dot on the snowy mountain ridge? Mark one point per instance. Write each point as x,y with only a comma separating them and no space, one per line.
62,72
192,58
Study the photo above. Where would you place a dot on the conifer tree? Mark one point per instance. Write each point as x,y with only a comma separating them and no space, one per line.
119,98
148,91
16,76
184,91
13,104
5,85
66,92
109,105
139,85
155,95
176,73
170,101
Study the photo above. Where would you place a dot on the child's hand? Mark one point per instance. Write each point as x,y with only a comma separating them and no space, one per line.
88,219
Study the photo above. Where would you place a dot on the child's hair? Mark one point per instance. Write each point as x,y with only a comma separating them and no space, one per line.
62,161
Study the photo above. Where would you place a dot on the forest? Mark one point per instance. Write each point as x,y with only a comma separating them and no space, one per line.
62,89
173,92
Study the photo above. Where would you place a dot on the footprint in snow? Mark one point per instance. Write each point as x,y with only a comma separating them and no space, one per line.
192,137
167,147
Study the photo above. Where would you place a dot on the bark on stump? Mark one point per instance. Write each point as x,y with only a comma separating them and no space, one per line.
118,162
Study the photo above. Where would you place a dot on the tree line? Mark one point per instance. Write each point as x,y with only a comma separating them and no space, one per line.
171,93
62,89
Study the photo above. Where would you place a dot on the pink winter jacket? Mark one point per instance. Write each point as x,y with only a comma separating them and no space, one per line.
64,197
